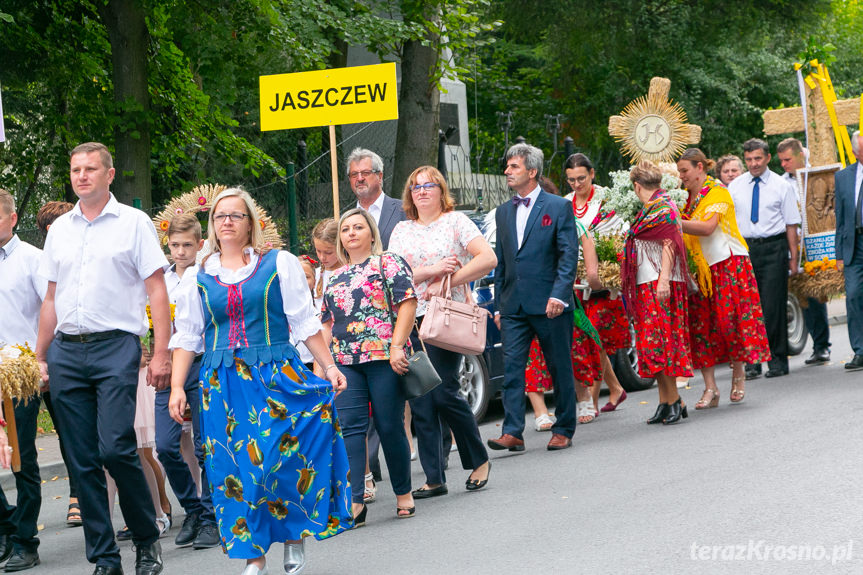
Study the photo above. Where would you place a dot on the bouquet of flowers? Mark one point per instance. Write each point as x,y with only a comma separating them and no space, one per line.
19,373
621,198
147,340
609,252
821,279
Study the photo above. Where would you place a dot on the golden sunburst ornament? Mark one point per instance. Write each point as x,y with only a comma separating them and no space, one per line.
653,127
200,199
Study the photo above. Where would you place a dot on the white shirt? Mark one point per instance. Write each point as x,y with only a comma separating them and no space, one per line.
296,299
777,205
522,212
857,183
176,285
376,208
100,268
21,292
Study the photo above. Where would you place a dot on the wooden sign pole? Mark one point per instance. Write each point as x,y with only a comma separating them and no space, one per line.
12,433
334,166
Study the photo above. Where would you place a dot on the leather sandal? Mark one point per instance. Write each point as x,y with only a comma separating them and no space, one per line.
73,516
586,412
370,493
737,391
409,512
710,398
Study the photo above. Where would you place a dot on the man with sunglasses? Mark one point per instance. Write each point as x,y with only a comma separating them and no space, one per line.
103,261
366,174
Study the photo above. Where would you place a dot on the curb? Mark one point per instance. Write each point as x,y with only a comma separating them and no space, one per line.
46,472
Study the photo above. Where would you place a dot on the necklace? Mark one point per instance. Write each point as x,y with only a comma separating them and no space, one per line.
579,212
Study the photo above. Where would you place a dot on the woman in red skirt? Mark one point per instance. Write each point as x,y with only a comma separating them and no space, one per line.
725,319
655,283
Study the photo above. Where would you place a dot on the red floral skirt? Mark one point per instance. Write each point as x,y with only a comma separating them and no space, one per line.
609,318
736,307
586,364
662,331
707,345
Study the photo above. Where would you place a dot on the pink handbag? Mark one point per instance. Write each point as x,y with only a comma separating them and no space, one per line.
453,325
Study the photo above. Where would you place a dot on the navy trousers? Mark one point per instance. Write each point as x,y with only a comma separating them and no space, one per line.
94,388
444,403
854,296
555,339
168,435
46,397
375,382
817,324
19,521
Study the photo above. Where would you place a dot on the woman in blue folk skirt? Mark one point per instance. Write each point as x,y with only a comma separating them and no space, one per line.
274,451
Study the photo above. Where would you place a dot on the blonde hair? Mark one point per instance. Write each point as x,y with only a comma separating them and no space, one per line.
90,147
341,252
256,234
647,174
326,230
184,223
7,202
446,202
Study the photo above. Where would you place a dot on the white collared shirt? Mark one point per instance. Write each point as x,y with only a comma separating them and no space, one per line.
21,292
296,300
522,213
777,205
100,266
376,208
858,181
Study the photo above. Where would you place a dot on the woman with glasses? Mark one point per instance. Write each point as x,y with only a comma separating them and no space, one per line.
273,447
437,241
604,309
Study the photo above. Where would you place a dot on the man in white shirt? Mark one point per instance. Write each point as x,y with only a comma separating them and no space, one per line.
21,293
768,218
849,245
366,174
103,261
793,156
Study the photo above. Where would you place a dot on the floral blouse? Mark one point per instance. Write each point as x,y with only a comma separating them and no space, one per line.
355,302
424,246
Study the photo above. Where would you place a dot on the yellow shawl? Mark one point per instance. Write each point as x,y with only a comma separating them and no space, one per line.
714,198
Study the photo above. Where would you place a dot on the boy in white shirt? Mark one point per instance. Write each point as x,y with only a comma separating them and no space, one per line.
199,528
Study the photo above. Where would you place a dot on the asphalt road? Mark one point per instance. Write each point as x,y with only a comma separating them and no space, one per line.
769,486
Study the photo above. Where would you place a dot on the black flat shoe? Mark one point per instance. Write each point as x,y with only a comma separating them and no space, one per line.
777,372
21,560
676,412
474,484
752,372
124,534
855,363
360,519
411,511
423,493
818,356
660,414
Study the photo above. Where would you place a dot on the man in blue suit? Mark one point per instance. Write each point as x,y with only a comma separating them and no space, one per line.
537,254
849,245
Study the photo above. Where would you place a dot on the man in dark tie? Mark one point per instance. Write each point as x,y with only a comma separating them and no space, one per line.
849,245
768,218
537,253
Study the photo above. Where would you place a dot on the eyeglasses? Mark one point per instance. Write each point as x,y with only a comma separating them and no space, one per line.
428,186
364,174
220,218
578,180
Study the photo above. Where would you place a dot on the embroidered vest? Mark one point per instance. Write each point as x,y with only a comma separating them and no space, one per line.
245,319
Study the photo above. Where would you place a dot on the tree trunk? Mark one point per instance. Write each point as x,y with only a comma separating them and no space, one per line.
416,141
127,32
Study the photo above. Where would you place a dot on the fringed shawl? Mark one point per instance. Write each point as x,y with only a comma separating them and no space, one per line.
657,222
713,198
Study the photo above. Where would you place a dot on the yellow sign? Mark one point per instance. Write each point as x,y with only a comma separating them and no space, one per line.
329,97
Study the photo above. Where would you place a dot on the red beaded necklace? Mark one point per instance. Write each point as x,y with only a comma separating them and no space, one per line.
579,212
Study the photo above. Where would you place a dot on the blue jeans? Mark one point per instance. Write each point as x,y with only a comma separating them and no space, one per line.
375,382
168,434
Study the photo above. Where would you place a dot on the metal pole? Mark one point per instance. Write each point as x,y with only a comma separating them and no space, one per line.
292,211
441,153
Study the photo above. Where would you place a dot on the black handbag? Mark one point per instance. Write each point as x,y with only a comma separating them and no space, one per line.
421,376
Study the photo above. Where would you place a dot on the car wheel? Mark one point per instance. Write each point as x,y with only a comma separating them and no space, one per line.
473,384
797,334
625,364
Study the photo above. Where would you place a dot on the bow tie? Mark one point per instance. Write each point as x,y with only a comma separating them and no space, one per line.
516,200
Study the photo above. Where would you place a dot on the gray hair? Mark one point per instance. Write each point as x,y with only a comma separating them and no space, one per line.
531,155
855,141
359,154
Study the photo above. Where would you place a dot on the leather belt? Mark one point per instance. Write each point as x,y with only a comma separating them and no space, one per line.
92,337
757,241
